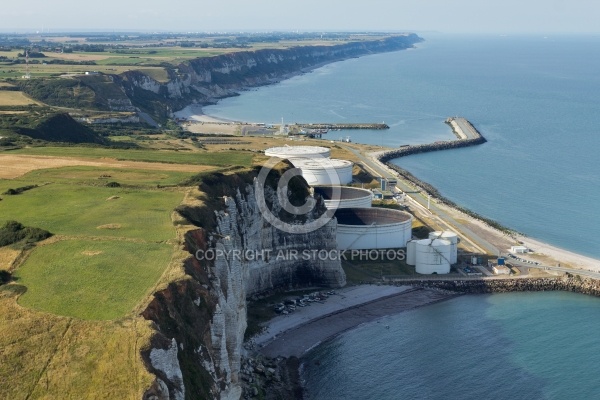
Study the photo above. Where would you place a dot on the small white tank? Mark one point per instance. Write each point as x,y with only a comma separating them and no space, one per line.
452,238
411,252
432,256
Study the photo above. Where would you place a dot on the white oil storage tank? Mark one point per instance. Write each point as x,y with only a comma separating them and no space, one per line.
324,171
372,228
344,196
452,238
411,249
303,152
432,256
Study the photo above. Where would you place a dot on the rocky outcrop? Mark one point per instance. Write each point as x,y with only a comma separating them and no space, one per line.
201,320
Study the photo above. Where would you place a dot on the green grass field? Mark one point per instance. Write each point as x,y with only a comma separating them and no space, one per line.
225,158
79,210
96,176
89,279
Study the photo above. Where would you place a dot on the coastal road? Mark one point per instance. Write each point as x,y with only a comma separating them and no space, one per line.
420,201
582,272
435,212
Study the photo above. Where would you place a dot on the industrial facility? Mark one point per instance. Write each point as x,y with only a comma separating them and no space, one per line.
434,255
452,238
372,228
359,227
344,197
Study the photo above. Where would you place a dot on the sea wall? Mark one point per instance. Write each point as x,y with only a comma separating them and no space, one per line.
425,148
386,157
200,321
568,283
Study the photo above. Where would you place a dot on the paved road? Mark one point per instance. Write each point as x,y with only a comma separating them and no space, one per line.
420,201
583,272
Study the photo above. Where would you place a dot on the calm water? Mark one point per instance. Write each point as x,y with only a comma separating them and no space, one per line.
535,99
502,346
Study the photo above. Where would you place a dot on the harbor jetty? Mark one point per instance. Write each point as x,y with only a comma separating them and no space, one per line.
466,133
332,126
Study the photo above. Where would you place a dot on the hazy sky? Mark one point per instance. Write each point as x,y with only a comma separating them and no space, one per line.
491,16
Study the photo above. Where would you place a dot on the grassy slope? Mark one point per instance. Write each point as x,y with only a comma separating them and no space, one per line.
90,279
96,176
199,158
44,355
51,357
79,210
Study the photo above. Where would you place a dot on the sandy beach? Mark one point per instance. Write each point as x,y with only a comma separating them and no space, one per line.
294,334
194,113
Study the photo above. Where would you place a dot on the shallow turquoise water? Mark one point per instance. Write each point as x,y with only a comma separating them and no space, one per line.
501,346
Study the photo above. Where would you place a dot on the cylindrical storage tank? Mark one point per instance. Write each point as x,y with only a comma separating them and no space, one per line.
324,171
372,228
474,260
344,196
432,256
291,152
452,238
411,252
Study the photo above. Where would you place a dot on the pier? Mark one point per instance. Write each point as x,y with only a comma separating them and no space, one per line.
335,126
466,133
463,129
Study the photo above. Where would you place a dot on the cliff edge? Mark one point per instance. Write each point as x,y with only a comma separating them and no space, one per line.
200,320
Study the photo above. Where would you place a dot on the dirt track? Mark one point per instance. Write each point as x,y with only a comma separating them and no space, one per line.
13,166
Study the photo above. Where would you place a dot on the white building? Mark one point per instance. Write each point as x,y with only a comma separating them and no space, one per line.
501,270
519,249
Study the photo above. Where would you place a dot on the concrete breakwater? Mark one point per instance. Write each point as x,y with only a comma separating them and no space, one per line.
468,136
462,128
345,126
573,284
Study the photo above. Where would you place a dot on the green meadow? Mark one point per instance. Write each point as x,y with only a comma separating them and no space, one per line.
80,210
96,176
91,279
225,158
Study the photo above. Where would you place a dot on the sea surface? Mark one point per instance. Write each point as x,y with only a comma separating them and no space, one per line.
535,98
513,346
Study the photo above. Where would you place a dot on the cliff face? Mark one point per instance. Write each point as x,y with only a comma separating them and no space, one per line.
204,80
201,320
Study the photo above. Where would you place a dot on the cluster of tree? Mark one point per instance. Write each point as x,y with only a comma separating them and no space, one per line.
14,232
91,48
19,190
53,61
32,54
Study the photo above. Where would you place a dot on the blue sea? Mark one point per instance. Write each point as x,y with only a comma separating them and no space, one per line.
537,101
535,98
511,346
